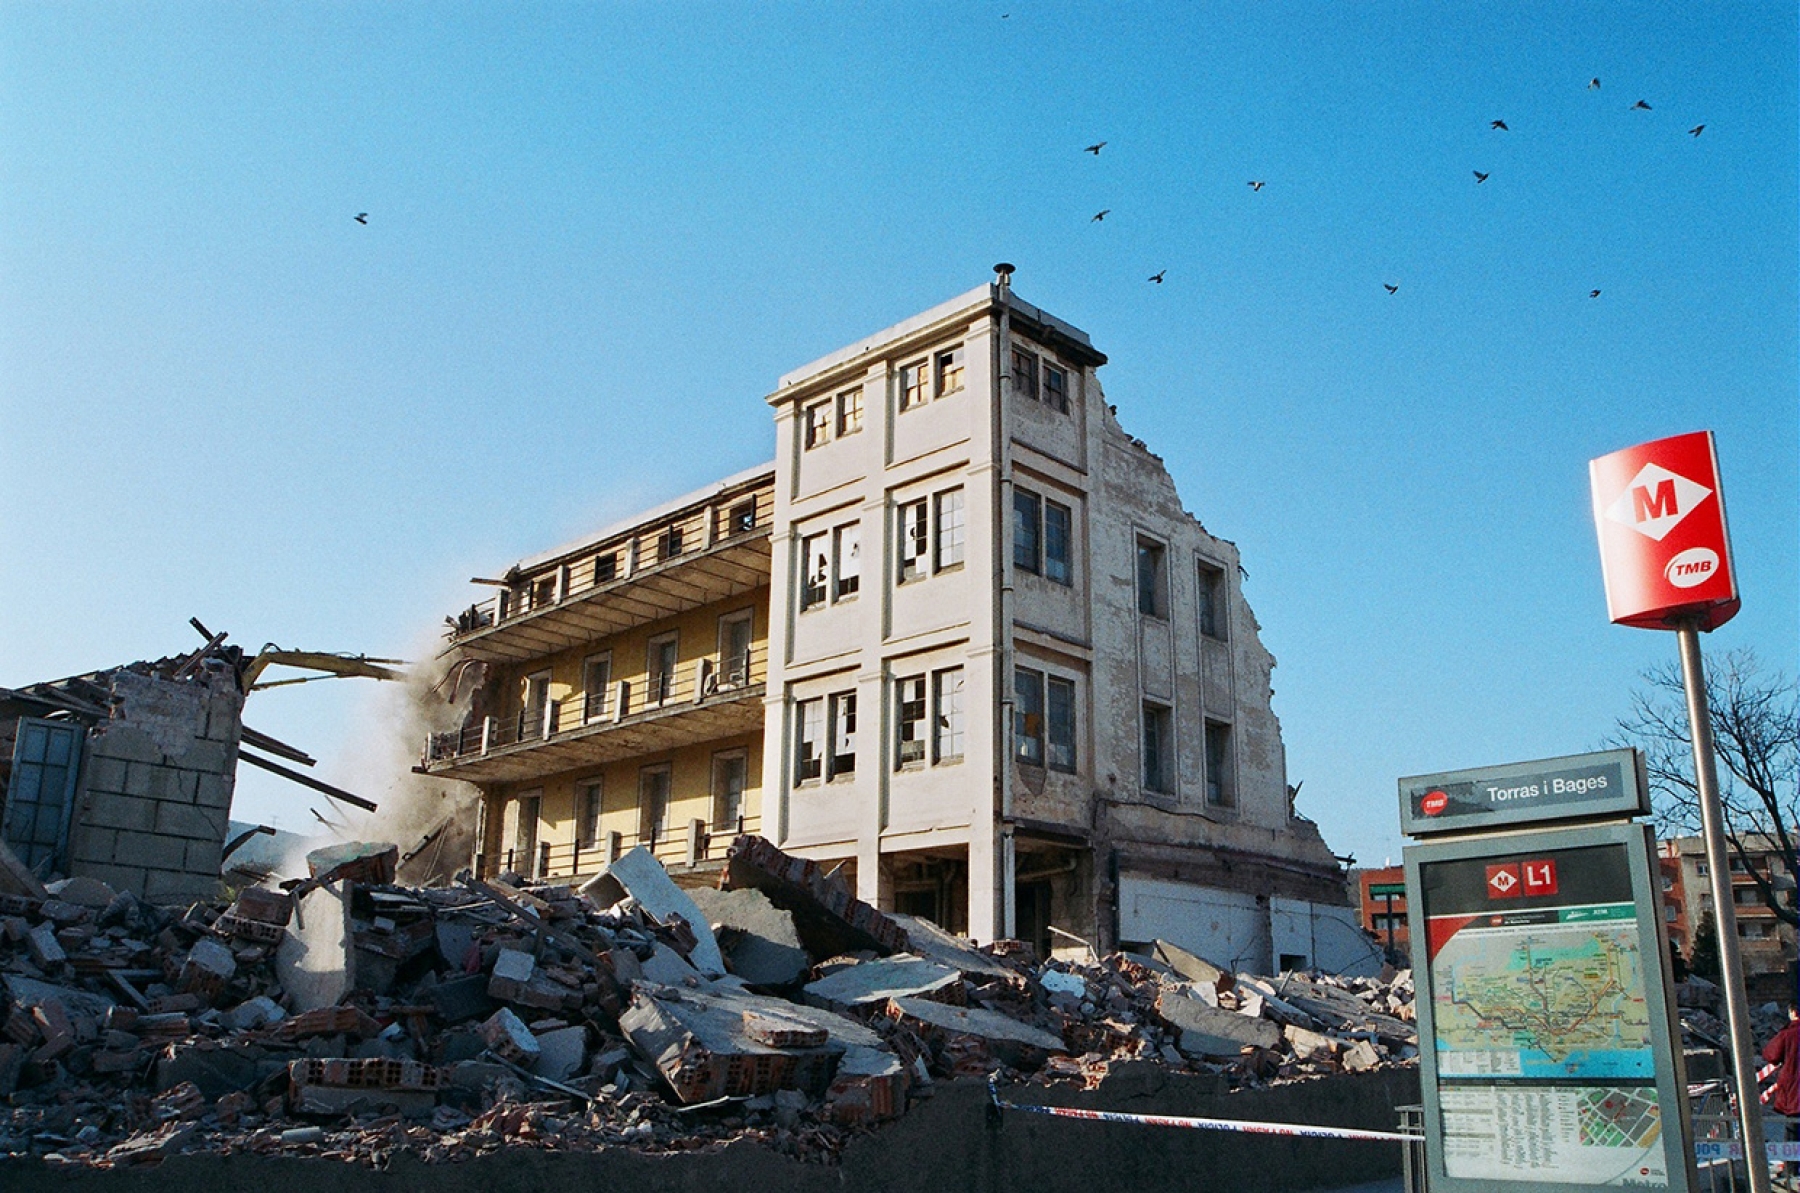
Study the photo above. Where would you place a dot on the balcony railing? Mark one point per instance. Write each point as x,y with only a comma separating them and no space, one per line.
614,562
696,844
641,697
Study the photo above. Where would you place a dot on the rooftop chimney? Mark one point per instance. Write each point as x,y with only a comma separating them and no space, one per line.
1003,275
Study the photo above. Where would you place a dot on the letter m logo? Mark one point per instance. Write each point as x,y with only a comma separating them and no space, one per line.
1655,501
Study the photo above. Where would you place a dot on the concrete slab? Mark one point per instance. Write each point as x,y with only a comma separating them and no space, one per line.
758,939
561,1052
861,986
1210,1032
641,876
666,967
1189,965
315,960
927,940
699,1045
828,916
1015,1043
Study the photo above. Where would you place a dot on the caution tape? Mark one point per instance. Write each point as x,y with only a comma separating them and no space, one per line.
1202,1124
1733,1149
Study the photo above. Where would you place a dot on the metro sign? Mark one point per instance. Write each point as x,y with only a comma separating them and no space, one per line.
1664,550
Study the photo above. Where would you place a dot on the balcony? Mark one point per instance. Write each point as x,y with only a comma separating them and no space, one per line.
705,700
698,844
696,556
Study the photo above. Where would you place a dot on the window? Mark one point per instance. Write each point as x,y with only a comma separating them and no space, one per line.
849,412
1060,704
815,425
947,715
846,552
949,371
661,668
1152,587
1701,869
668,544
730,775
742,518
1158,752
1059,531
1056,388
1027,509
909,728
913,535
534,703
543,592
1669,915
606,567
1212,601
590,803
525,830
949,529
653,804
734,650
843,735
1028,715
815,564
912,386
809,735
1025,377
1221,788
596,677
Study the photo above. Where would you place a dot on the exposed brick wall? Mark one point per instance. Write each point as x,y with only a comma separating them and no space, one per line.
151,815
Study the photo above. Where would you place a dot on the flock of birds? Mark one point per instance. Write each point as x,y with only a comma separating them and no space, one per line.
1256,184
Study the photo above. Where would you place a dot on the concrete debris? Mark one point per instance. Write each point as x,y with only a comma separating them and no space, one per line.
641,876
466,1019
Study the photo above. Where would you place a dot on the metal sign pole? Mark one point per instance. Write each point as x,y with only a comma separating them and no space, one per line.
1718,861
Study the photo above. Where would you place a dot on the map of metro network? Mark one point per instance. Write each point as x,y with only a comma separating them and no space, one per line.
1542,1001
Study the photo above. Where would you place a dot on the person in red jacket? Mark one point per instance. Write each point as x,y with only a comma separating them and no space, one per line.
1784,1050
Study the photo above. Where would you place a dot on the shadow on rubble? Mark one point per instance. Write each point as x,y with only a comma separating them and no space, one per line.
949,1142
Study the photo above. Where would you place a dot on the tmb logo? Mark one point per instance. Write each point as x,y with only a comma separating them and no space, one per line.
1656,500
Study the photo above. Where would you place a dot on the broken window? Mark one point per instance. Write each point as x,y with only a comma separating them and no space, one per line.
909,730
1152,585
809,734
849,412
843,735
1221,786
1024,374
1028,715
734,650
949,370
950,531
730,776
662,652
1026,512
815,564
1158,749
653,804
1056,388
525,834
1060,706
816,424
846,550
913,386
596,676
606,567
589,801
947,717
1212,601
543,592
914,536
742,518
1059,523
668,544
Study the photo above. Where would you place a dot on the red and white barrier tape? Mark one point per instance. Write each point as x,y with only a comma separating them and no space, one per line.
1203,1124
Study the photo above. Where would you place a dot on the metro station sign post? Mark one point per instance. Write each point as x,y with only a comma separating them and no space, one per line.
1546,1009
1665,555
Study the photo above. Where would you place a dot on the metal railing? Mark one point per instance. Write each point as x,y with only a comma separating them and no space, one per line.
694,844
613,562
643,696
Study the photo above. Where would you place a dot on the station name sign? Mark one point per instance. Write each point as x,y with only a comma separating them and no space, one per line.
1577,787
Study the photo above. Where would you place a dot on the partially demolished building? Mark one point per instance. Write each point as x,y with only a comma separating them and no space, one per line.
1035,707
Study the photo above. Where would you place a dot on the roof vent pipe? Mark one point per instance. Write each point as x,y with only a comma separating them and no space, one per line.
1003,275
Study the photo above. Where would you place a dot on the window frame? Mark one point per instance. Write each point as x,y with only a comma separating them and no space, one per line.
606,567
1157,592
949,374
1056,396
915,539
839,707
1028,703
1028,530
660,686
949,719
719,804
809,770
909,722
646,801
1213,609
1158,746
941,550
839,576
1025,373
1220,764
723,676
1061,732
815,548
816,424
590,809
594,702
1066,561
848,410
915,385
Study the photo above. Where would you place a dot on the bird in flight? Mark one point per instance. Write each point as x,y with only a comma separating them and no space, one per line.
1157,277
1100,215
362,217
1640,106
1593,294
1480,178
1499,124
1391,289
1593,84
1095,148
1696,130
1256,185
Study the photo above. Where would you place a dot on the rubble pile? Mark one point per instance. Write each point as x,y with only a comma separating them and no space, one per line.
348,1017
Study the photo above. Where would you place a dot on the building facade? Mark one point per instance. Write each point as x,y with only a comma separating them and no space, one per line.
1381,903
1009,683
1766,943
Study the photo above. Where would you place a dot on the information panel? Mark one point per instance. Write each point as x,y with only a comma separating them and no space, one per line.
1576,787
1544,1013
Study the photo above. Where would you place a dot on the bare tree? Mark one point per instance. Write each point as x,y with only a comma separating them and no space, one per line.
1756,738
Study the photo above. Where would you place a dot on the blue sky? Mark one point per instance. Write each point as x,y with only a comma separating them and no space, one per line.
617,224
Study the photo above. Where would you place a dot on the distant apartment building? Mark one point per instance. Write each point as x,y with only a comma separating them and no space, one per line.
1381,906
1765,942
989,666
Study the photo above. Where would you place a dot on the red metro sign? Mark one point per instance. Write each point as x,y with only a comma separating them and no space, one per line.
1664,550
